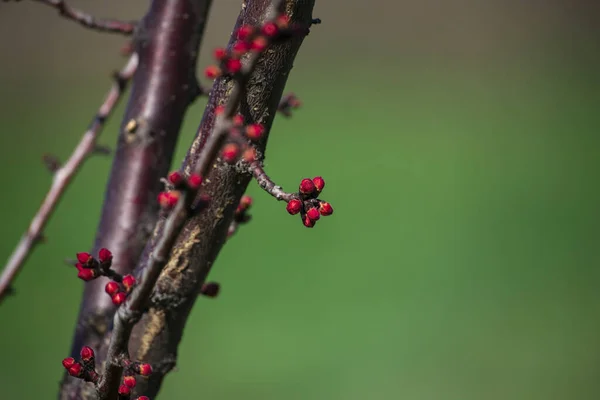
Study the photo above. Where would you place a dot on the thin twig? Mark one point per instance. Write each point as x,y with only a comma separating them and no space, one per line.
89,21
268,185
131,311
63,176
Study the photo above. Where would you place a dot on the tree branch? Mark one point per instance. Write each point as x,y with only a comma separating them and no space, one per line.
63,176
167,42
89,21
156,337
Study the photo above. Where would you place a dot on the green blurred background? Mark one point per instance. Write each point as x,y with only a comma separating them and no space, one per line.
459,142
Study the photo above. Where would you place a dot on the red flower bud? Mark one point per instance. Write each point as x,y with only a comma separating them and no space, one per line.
259,44
220,53
270,29
175,178
212,72
128,282
294,206
313,214
144,369
219,110
249,155
194,181
283,21
87,354
246,201
238,120
168,199
68,362
86,274
307,186
119,298
124,390
129,381
240,47
143,398
104,255
233,65
75,370
244,32
111,288
309,223
255,131
230,153
325,208
210,289
83,257
319,183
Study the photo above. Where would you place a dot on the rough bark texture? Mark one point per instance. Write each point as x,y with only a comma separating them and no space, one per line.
156,338
167,41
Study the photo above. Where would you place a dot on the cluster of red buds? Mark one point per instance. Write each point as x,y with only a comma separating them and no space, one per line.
238,148
129,380
169,198
250,39
310,207
288,103
85,368
90,268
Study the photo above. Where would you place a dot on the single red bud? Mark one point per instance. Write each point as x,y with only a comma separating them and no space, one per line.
309,223
307,186
319,183
104,255
194,181
75,370
294,206
270,29
249,155
233,65
129,381
143,398
283,21
244,32
111,288
83,257
86,274
238,120
220,53
175,178
255,131
168,199
87,354
124,390
259,44
210,289
128,282
219,110
246,201
230,153
119,298
325,208
68,362
240,47
313,214
212,72
144,369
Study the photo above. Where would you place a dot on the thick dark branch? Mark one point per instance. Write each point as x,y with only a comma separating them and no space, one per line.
89,21
156,338
167,43
63,176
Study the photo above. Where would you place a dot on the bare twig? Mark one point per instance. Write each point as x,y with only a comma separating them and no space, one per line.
89,21
63,176
268,185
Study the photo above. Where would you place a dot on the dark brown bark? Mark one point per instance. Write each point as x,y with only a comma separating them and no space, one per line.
156,338
167,41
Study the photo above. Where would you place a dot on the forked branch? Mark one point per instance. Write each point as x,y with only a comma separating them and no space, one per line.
63,176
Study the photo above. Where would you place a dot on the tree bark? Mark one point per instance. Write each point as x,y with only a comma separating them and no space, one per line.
167,41
156,338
